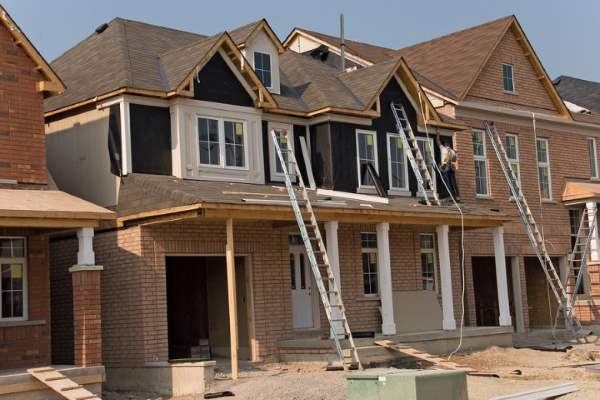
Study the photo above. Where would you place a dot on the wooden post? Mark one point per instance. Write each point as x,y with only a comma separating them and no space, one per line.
232,298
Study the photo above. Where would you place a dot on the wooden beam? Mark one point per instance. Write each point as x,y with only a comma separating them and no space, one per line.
49,86
34,222
232,299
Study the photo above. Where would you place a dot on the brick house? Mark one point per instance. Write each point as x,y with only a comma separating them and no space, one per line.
32,210
491,72
171,130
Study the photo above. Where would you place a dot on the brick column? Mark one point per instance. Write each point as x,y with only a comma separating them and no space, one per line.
87,330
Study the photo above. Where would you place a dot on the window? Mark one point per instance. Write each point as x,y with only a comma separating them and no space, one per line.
262,67
574,222
369,262
222,142
543,159
512,152
398,172
479,156
428,274
366,143
284,137
426,149
508,78
593,157
13,284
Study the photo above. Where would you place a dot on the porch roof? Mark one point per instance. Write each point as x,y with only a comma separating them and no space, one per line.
148,196
579,191
48,209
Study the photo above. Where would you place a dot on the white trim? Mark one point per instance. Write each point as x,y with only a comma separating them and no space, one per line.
393,189
21,260
126,165
222,145
593,157
512,79
514,160
544,164
352,196
333,49
374,135
275,176
443,247
483,158
79,268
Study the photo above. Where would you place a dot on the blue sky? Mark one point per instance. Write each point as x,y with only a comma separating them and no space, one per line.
566,35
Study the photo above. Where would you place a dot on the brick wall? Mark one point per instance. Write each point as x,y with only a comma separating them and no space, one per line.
22,141
29,345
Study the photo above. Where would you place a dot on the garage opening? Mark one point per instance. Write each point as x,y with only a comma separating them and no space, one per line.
486,291
540,298
197,309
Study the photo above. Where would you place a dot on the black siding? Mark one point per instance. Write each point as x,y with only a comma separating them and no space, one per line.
150,139
217,83
321,155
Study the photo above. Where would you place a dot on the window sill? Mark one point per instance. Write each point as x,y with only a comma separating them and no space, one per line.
399,192
514,92
483,197
549,201
10,324
366,190
595,179
369,297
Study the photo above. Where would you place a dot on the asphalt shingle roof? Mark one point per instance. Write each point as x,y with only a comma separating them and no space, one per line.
582,92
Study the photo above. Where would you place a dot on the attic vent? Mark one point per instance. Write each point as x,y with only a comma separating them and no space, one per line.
101,28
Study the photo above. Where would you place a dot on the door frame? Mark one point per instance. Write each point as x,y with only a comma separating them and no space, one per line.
314,296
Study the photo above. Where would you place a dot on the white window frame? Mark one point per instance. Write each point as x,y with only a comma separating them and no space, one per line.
274,175
397,190
512,78
374,134
435,263
432,168
23,260
477,157
545,164
270,66
591,141
222,154
369,250
514,160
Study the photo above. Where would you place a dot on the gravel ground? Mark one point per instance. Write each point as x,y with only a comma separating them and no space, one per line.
311,382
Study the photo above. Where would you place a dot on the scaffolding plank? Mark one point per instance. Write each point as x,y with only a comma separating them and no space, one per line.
61,384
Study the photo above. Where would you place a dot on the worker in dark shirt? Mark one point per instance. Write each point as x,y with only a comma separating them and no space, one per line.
448,166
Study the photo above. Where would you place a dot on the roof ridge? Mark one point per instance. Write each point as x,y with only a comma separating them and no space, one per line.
345,38
127,20
558,78
201,40
127,54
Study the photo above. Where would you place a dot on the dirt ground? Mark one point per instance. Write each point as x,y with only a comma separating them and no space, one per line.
537,369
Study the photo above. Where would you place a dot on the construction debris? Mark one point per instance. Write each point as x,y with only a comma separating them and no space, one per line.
540,394
421,355
216,395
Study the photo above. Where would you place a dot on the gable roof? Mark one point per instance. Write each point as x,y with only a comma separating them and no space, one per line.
53,84
579,91
242,35
140,58
450,64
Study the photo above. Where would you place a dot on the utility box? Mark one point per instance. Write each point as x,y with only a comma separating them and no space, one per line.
408,384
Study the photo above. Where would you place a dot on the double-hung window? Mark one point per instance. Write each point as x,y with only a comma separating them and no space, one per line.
574,222
543,161
428,271
426,149
369,262
366,149
13,279
398,173
222,143
508,78
593,153
480,160
262,67
512,153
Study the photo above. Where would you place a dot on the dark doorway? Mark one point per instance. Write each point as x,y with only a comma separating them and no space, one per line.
486,291
540,298
197,307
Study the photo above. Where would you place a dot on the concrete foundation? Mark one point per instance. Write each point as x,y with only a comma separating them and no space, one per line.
169,379
19,385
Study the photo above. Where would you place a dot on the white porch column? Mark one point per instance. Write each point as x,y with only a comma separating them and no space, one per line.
594,245
448,323
85,254
331,234
384,273
515,273
501,280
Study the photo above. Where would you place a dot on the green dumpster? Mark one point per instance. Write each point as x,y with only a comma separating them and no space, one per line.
407,384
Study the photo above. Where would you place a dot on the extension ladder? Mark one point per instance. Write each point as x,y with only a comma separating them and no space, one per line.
311,235
533,232
417,162
579,256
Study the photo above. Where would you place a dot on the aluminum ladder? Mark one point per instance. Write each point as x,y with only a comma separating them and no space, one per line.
417,162
536,239
578,258
311,235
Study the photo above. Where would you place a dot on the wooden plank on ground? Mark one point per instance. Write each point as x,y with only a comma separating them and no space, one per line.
61,384
421,355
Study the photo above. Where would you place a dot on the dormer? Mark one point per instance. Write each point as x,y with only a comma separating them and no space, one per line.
261,48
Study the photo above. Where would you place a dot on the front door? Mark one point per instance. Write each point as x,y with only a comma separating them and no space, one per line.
302,299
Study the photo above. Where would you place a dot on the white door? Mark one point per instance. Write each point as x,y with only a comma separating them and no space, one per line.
302,299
